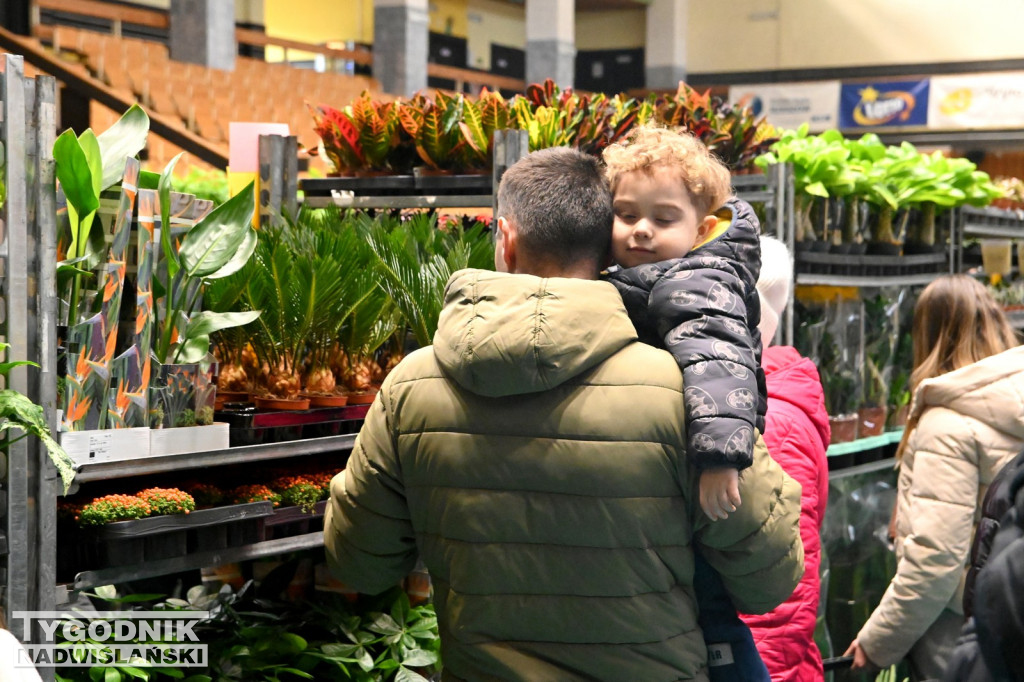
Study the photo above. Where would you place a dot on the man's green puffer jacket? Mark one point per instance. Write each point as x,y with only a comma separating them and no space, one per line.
535,458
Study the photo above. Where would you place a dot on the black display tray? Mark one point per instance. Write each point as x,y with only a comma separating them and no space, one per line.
127,543
288,521
249,426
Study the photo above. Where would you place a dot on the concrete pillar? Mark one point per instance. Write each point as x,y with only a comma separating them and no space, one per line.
551,41
665,51
400,40
203,32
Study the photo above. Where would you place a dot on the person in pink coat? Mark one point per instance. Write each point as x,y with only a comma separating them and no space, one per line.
797,435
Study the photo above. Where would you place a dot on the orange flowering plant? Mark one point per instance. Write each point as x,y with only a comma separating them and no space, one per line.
168,500
254,493
111,508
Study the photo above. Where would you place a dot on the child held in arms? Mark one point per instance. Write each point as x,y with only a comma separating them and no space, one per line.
688,281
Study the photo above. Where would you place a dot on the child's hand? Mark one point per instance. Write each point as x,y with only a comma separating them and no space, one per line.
719,492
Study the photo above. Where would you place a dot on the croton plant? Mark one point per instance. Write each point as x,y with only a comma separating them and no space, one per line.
453,133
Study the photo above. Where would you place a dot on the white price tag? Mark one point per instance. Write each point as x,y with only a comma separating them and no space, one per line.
100,444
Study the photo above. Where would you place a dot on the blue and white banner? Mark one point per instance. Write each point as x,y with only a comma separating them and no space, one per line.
884,104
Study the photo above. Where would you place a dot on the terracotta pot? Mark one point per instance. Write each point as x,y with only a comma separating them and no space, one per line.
282,403
871,421
363,398
326,400
844,429
898,419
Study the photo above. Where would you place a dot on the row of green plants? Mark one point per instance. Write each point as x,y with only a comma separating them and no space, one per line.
302,490
454,133
864,353
850,192
340,293
255,635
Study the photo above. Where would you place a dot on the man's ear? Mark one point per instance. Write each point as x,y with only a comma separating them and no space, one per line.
705,228
505,255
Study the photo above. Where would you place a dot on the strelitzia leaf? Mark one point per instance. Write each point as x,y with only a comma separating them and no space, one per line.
124,139
214,241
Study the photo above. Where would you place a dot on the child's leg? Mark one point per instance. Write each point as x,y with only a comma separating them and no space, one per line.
732,655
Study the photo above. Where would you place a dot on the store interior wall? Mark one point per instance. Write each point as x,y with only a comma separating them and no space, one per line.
795,34
247,12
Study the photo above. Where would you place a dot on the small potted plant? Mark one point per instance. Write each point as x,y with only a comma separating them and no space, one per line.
113,508
254,493
298,491
879,344
164,501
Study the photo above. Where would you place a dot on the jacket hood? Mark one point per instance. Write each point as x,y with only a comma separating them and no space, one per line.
794,379
502,334
990,390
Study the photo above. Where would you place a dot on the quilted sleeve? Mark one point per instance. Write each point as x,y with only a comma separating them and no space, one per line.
757,550
368,534
943,502
701,315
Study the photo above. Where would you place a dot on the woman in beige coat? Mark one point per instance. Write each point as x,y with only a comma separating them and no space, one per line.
966,421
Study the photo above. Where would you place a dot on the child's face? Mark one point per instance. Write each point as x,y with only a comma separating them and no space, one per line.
655,219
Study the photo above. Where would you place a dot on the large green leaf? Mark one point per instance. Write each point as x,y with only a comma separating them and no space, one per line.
164,192
208,322
212,243
124,139
91,148
240,258
74,174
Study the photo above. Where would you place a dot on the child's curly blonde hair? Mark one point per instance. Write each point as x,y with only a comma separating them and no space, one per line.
651,147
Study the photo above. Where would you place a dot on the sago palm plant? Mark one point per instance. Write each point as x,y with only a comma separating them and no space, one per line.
415,259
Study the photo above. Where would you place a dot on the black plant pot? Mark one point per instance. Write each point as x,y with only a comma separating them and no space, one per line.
883,249
917,248
840,248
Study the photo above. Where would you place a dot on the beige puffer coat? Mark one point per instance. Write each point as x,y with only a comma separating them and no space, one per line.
971,424
534,458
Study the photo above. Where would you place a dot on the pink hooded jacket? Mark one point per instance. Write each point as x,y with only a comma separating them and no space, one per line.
797,435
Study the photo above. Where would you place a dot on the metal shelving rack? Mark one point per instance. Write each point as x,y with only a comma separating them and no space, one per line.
103,471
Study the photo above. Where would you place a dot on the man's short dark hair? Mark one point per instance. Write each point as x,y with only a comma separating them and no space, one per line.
561,205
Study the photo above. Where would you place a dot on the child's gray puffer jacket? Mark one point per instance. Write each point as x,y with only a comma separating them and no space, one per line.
704,309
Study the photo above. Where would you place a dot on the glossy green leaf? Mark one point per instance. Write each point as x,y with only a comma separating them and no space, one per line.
208,322
164,192
213,242
74,174
240,258
193,350
91,149
149,180
124,139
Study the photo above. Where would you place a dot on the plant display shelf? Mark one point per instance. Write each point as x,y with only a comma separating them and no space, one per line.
862,444
992,222
809,279
400,191
1015,318
102,471
152,569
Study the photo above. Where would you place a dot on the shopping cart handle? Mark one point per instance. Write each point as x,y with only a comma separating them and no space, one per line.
837,662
